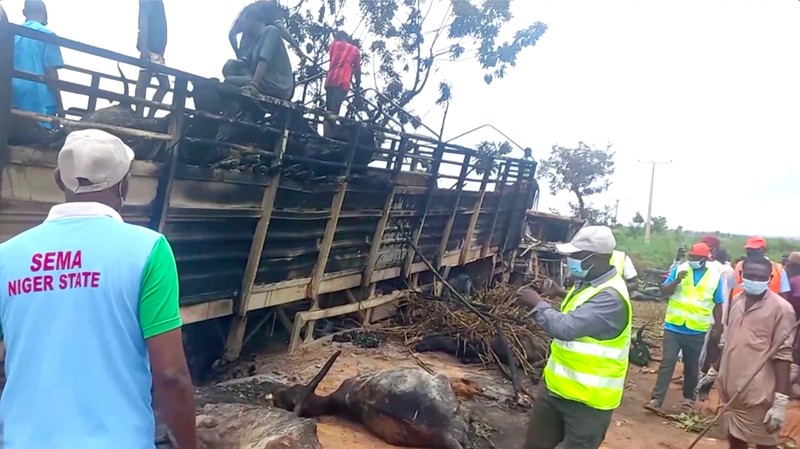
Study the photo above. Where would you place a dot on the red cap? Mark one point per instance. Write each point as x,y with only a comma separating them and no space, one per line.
711,241
755,243
700,249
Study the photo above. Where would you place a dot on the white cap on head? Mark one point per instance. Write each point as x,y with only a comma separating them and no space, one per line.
595,239
92,160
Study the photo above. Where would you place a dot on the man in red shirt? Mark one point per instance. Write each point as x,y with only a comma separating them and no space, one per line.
345,63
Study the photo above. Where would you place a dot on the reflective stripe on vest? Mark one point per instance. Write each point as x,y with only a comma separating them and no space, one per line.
693,305
618,261
587,370
774,283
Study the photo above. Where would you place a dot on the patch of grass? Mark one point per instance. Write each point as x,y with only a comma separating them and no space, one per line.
664,244
651,314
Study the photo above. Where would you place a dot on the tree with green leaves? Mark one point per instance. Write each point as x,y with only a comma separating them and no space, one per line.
638,220
583,170
659,224
405,41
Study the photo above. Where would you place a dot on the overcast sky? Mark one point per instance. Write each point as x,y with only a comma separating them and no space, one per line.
713,85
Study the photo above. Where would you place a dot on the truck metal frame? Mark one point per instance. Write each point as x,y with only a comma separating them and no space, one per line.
250,241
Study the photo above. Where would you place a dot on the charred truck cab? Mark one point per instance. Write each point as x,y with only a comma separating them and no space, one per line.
272,219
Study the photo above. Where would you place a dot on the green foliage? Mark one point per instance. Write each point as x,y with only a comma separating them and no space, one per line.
638,220
489,152
658,224
404,40
584,171
664,244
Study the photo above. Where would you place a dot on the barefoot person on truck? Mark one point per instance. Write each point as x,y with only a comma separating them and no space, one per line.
585,374
90,317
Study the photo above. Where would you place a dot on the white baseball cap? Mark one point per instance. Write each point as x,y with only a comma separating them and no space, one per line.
595,239
100,159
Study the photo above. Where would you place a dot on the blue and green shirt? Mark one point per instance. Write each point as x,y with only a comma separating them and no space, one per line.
80,295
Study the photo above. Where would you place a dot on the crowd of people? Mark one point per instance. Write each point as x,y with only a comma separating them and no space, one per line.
721,318
257,37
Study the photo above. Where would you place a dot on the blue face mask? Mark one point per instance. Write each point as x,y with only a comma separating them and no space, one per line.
576,269
754,287
696,264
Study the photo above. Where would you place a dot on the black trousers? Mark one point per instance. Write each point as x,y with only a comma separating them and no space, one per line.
556,420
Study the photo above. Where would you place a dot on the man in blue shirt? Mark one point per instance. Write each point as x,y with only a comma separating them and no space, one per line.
37,58
696,295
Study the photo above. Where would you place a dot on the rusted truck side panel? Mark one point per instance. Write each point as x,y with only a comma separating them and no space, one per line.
342,235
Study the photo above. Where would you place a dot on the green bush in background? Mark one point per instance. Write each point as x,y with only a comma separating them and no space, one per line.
665,243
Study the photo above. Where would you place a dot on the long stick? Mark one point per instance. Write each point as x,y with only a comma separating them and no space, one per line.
512,366
772,351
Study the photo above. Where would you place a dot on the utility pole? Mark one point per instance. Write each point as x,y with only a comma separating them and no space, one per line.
616,211
649,218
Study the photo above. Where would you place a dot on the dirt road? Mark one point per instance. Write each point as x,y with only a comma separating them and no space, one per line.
632,426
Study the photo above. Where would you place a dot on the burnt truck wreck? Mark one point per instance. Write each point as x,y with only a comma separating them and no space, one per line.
266,216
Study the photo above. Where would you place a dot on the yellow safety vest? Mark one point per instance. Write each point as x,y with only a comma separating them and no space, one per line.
618,261
693,305
587,370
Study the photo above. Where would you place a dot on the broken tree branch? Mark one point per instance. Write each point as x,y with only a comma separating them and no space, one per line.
512,366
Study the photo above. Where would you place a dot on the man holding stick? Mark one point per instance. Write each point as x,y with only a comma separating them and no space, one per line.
585,374
759,320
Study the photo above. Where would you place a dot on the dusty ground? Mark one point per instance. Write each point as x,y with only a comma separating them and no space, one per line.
632,426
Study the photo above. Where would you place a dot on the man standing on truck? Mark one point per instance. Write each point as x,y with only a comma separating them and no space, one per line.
38,58
695,292
152,44
90,317
759,319
585,374
345,64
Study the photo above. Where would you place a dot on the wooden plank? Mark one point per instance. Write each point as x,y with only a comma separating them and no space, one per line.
233,346
377,237
164,190
6,74
511,215
501,187
91,105
473,219
448,227
522,223
328,236
426,203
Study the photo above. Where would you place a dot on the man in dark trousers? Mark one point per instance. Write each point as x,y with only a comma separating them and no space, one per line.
152,44
345,63
695,307
585,373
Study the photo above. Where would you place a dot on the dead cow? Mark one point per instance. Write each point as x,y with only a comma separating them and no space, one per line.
403,406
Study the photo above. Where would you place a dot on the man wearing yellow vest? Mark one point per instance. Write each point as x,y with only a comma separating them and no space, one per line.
625,267
696,295
585,375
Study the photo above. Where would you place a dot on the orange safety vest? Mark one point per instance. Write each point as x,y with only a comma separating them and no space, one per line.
774,283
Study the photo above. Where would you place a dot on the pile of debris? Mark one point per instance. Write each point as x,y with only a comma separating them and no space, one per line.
432,323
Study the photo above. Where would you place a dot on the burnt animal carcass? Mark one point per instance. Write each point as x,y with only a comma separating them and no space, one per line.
403,406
